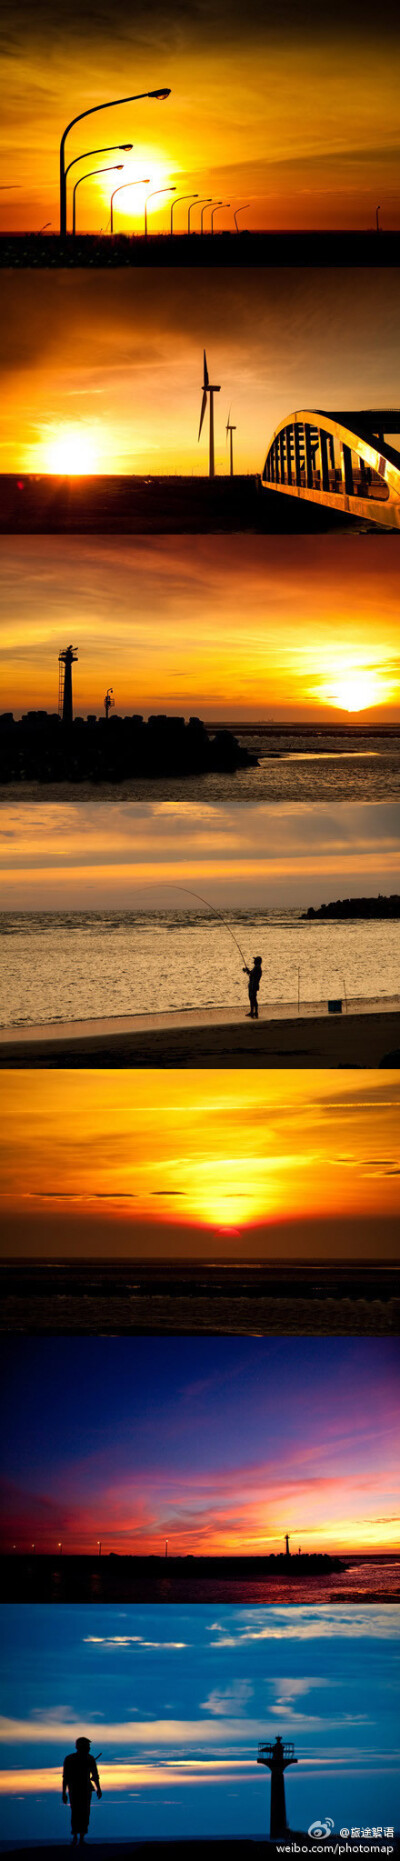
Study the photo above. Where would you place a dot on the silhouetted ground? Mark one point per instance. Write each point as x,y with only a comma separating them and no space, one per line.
86,1297
269,248
357,908
132,505
348,1040
68,1579
39,748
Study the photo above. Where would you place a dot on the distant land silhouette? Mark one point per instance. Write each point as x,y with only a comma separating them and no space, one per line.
40,747
66,1577
380,907
245,248
171,504
88,1296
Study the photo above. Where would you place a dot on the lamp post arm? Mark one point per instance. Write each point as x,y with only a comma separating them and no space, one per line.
111,105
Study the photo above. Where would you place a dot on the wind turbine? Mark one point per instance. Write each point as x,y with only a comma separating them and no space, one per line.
209,389
231,430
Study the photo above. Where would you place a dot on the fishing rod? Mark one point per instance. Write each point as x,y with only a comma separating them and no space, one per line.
218,914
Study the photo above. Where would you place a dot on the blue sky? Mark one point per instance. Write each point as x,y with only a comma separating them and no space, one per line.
176,1699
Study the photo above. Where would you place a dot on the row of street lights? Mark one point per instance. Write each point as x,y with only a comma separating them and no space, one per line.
116,168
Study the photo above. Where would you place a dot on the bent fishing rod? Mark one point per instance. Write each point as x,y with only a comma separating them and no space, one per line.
219,914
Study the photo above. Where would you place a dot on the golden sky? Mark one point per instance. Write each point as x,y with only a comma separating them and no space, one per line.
292,109
158,1163
90,855
239,627
103,373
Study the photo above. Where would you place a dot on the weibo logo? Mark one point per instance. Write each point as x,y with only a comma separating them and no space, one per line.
320,1830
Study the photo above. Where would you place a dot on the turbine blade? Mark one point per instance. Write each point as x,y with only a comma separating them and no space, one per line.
206,374
203,409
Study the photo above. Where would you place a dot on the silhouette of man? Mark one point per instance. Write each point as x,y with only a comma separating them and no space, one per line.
254,976
80,1778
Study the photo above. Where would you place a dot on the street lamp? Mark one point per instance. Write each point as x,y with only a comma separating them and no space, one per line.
216,209
112,104
190,209
176,203
155,190
123,148
240,210
115,167
119,190
207,203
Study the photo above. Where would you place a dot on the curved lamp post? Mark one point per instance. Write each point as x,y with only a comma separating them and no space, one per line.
176,203
154,191
115,167
115,148
120,190
197,199
216,209
207,203
112,104
240,210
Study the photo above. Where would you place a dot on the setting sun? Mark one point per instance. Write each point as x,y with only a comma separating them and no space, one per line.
70,452
355,687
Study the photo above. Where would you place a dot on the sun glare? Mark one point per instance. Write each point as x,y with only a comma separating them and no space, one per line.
70,452
357,688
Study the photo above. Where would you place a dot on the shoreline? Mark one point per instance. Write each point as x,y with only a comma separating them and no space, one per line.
213,1037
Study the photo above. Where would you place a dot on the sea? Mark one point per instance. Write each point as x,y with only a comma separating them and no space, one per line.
59,966
301,763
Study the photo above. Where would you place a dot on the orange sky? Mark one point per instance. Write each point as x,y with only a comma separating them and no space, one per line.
99,855
302,1164
162,620
299,106
103,373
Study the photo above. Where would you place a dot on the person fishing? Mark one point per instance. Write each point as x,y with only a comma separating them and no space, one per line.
80,1779
254,976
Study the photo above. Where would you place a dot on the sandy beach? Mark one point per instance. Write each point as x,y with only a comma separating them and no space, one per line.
210,1038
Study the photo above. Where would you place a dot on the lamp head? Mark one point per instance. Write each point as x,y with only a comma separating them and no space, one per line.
161,94
126,146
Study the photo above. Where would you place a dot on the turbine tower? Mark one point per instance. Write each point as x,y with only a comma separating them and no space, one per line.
276,1759
209,389
231,430
66,661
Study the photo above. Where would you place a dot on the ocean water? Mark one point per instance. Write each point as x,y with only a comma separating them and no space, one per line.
301,764
78,966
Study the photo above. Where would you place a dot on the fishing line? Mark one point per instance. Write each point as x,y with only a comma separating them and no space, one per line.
218,914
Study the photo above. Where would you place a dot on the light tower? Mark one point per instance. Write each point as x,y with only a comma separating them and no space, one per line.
66,660
276,1759
287,1552
109,702
209,390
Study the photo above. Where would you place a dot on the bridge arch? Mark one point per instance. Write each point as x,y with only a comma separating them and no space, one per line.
341,461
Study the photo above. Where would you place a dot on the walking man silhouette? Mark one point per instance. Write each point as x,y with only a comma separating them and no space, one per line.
80,1778
254,976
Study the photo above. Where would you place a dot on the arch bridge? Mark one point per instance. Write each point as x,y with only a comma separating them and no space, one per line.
342,461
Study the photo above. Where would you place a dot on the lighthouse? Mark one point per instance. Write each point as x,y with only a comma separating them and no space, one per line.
276,1759
66,661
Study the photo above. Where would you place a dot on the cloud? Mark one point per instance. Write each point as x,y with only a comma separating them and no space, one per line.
229,1700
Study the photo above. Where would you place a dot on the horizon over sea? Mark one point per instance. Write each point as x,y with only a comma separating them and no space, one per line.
69,966
300,762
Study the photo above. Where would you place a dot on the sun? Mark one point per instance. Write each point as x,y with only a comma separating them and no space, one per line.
357,688
70,453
